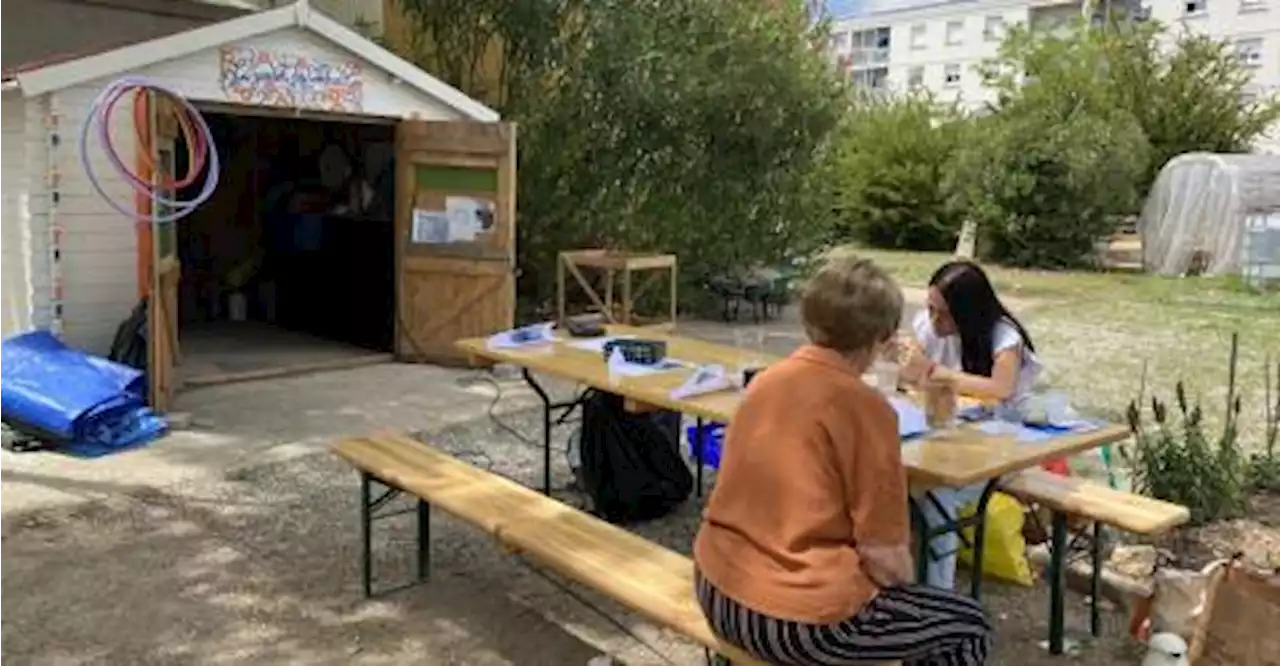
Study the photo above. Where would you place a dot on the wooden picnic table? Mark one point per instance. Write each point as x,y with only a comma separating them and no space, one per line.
959,456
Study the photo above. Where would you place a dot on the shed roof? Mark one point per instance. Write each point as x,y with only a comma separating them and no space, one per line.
120,61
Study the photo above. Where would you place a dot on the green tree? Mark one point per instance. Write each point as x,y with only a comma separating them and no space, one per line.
1057,163
1190,95
1187,92
892,157
691,126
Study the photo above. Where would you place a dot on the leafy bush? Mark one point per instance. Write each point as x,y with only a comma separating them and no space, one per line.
1083,120
1177,461
892,156
1189,94
697,127
1264,466
1043,188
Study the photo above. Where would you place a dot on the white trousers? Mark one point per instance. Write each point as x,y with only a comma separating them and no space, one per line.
941,571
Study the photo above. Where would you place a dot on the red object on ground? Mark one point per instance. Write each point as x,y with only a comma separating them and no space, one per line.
1058,467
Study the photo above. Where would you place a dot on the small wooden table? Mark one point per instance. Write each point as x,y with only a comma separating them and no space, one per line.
615,264
959,456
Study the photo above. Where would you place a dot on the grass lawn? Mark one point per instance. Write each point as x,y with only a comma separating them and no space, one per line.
1096,331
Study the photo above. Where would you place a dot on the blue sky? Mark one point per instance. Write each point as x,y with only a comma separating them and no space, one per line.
838,9
843,8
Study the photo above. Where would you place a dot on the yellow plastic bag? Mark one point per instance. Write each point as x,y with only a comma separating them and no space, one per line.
1005,551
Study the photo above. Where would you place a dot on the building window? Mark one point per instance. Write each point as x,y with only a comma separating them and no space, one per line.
915,78
840,42
1195,7
951,75
919,33
871,47
1249,52
955,33
871,79
993,29
1253,5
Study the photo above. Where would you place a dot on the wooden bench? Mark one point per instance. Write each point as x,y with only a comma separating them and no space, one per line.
1068,497
644,576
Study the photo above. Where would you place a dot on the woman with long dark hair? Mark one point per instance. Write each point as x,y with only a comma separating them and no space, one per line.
968,337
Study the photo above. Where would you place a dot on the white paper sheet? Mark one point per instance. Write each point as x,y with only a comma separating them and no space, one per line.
705,379
430,226
527,336
911,418
466,218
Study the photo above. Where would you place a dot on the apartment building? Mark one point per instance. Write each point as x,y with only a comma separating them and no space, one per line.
933,46
895,45
1252,26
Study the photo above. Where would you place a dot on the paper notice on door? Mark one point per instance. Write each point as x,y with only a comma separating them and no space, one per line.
468,218
429,226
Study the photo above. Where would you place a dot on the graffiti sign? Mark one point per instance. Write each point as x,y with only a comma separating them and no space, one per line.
267,78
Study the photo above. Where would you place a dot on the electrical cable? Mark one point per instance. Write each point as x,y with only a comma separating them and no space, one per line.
561,585
202,154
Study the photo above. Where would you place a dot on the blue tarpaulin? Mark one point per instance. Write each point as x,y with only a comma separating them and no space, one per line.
89,406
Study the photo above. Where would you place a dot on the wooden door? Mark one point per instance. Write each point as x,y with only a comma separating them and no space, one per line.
162,293
455,235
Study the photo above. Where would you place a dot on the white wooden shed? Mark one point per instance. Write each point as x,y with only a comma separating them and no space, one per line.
288,86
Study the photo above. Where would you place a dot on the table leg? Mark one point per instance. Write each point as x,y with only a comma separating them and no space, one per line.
699,456
926,533
922,540
980,536
546,427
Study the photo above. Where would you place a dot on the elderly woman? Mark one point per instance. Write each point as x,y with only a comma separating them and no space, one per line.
802,557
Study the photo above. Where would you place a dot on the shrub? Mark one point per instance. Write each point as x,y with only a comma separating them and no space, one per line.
697,127
1044,189
1056,163
892,156
1264,465
1177,461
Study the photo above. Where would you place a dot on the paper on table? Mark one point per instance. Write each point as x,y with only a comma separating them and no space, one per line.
597,344
527,336
911,419
705,379
619,366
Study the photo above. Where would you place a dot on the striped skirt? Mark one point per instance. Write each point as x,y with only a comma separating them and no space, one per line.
916,625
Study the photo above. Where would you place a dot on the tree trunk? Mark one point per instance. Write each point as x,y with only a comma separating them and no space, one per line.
967,243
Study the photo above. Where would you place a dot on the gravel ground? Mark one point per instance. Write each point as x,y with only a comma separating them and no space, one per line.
262,567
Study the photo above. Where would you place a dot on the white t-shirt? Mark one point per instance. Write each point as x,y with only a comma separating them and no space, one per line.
945,351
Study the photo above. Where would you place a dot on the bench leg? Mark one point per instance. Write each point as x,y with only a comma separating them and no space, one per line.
369,506
1095,590
1057,584
424,540
366,533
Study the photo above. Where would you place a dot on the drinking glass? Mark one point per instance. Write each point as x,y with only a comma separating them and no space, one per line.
885,374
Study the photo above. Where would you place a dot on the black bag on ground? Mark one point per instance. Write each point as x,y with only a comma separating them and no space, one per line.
631,466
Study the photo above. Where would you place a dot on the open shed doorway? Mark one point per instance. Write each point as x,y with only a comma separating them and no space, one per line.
290,265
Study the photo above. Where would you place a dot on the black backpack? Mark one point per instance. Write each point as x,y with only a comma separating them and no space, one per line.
631,466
